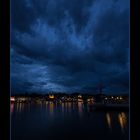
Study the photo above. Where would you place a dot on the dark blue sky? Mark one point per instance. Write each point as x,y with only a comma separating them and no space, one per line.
69,45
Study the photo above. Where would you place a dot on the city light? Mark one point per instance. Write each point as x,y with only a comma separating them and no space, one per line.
21,99
120,98
12,99
80,100
90,100
79,96
51,96
70,98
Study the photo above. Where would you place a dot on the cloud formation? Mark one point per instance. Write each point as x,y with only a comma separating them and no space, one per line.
69,46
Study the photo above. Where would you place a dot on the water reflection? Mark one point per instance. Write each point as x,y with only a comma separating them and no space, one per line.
108,117
68,118
46,105
66,107
80,108
69,106
63,107
51,108
12,108
19,107
122,120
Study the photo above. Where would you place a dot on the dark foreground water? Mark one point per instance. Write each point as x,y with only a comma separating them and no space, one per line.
66,121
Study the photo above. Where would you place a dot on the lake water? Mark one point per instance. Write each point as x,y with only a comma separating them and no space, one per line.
66,121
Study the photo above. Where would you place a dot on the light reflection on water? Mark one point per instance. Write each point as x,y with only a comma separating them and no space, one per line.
63,108
80,108
122,120
69,108
12,108
51,108
108,117
19,107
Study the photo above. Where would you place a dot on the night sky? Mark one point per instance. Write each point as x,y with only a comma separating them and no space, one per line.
69,46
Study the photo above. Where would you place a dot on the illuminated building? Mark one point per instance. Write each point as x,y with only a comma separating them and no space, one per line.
79,96
69,99
12,99
21,99
90,100
51,96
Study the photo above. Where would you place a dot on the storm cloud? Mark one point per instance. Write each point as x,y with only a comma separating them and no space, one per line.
69,45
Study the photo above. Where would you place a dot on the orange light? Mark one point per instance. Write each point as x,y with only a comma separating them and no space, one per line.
122,120
108,120
51,96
